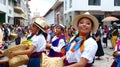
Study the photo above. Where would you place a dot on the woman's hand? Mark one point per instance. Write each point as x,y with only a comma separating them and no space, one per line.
63,57
12,54
1,52
48,46
66,66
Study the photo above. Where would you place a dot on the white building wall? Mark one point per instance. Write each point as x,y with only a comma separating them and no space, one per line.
82,5
10,8
6,9
10,11
23,5
6,16
105,8
26,11
107,5
3,8
50,18
79,4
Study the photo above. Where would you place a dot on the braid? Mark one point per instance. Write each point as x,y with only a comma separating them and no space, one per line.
74,38
30,37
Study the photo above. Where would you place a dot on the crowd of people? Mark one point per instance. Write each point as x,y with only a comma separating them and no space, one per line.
78,45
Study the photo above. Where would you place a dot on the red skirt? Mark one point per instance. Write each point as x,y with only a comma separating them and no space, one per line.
114,64
66,63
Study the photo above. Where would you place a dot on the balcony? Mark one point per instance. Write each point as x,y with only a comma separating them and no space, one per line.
18,9
22,16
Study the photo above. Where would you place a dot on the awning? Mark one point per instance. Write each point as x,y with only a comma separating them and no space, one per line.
20,15
24,16
18,9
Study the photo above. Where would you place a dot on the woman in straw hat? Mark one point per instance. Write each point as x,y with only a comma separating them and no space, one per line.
82,48
38,43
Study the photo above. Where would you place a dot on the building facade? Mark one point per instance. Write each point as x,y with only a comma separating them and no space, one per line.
7,11
14,12
58,12
21,12
55,14
98,8
49,17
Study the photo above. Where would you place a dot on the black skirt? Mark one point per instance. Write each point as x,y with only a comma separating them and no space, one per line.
104,40
100,51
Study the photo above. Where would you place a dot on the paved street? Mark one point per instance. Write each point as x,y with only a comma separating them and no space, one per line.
106,60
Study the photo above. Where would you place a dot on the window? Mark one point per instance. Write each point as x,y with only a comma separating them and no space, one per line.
70,4
10,2
116,2
4,2
70,20
10,11
94,2
57,17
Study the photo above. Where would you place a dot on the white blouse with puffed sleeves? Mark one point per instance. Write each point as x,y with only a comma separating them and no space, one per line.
89,51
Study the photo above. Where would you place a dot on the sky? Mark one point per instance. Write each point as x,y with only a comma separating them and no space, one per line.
41,6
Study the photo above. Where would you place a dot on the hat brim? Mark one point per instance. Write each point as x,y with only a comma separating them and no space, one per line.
94,19
39,26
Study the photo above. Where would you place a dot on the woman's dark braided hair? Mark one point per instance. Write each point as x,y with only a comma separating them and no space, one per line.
44,33
40,32
77,36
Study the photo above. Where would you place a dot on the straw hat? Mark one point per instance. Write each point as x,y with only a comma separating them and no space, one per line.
60,25
87,15
40,23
